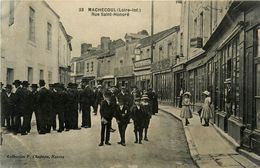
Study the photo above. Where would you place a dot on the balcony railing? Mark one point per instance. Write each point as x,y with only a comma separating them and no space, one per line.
196,42
142,63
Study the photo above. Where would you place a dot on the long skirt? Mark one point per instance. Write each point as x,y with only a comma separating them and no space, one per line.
206,112
186,112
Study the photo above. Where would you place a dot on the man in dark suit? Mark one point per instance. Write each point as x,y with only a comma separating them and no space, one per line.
19,106
86,101
28,108
106,111
53,113
122,115
7,106
34,103
44,108
72,105
153,98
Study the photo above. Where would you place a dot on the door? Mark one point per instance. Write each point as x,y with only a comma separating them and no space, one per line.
257,80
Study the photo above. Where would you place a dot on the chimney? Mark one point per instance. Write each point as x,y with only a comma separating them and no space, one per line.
85,47
105,43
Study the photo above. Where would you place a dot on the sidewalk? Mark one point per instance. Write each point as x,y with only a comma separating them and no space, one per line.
207,148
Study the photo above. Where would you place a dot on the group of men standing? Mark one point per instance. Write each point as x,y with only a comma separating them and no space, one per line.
19,104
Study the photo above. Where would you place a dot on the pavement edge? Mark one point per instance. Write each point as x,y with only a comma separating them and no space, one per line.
192,147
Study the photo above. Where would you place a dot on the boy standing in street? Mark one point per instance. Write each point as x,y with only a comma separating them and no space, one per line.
106,112
122,117
138,116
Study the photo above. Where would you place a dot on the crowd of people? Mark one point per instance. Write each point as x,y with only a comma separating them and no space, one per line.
65,103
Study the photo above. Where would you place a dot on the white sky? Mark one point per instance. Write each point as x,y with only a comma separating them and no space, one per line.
86,28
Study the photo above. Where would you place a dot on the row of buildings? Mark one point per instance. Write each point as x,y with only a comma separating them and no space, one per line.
216,42
34,43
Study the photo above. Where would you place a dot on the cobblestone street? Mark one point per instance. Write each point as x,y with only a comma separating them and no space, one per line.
167,148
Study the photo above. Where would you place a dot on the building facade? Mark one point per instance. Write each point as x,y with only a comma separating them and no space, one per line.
164,57
35,27
222,49
64,55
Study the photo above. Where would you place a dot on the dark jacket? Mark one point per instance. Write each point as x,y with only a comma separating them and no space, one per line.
72,99
59,101
123,116
86,97
28,100
19,102
138,115
99,97
107,110
126,98
44,101
7,103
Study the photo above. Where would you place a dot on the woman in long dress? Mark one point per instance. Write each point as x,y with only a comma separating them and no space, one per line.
185,110
206,112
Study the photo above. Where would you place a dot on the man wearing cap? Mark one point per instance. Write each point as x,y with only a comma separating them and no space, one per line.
19,106
148,114
7,105
28,108
44,108
138,116
86,101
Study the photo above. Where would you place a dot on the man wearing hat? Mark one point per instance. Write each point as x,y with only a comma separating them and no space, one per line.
228,97
7,106
153,99
86,101
19,106
44,108
34,103
28,108
107,110
71,117
99,95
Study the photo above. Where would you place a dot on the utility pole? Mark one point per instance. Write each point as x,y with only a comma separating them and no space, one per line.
152,26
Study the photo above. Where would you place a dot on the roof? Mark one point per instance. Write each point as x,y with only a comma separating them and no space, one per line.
48,6
118,43
135,35
157,37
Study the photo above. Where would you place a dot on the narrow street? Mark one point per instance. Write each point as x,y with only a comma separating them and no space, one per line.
167,148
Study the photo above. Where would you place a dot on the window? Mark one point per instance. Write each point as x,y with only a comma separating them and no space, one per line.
32,25
11,12
87,67
30,74
10,76
201,25
41,74
49,77
169,50
257,79
49,36
195,28
148,53
92,66
181,43
215,15
160,53
230,64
